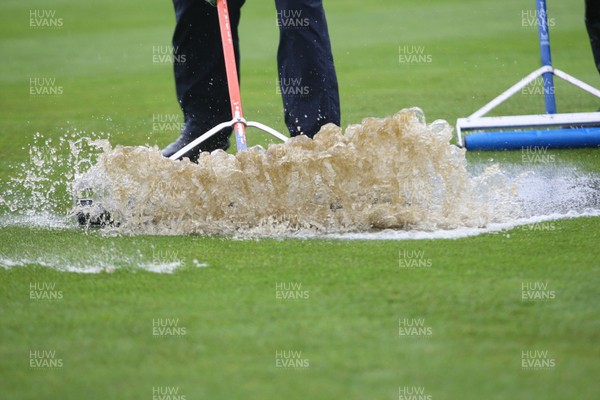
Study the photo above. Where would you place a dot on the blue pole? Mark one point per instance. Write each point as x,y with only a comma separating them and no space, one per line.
544,36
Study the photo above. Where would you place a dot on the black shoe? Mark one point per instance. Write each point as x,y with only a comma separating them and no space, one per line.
177,145
189,133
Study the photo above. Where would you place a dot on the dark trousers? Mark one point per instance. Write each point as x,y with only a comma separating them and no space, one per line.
592,23
307,76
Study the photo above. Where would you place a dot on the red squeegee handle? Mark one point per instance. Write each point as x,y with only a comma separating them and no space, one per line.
232,76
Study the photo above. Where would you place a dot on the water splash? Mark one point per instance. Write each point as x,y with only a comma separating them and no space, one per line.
396,174
391,173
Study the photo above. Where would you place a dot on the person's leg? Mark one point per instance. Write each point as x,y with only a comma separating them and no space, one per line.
592,23
200,78
307,77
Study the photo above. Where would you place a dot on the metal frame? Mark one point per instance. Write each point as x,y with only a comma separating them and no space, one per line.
223,125
477,120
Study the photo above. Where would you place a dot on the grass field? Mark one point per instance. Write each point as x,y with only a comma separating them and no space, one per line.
221,326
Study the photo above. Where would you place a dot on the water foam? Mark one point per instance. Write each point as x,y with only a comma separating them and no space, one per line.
95,266
106,258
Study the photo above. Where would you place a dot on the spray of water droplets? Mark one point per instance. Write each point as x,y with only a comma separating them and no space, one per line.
39,191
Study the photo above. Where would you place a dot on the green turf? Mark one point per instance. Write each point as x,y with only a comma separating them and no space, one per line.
470,297
347,327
